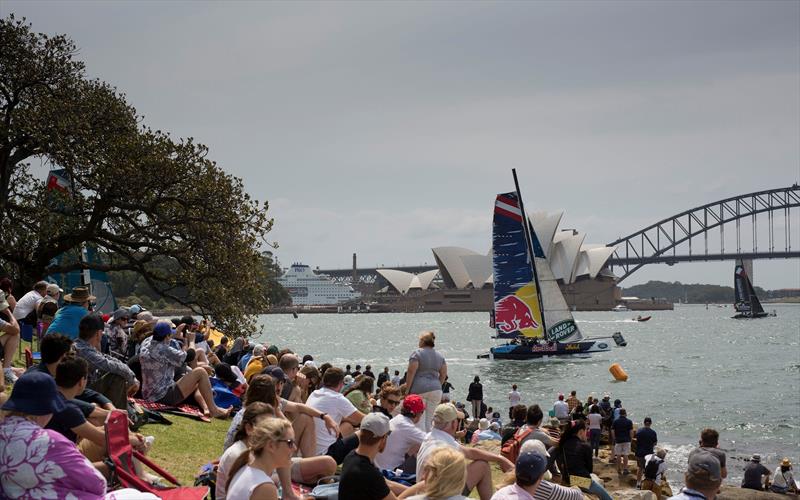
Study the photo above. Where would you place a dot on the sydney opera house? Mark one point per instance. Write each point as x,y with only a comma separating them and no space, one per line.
463,280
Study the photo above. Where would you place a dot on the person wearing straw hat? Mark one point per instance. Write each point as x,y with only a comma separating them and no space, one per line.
9,338
45,464
75,308
784,481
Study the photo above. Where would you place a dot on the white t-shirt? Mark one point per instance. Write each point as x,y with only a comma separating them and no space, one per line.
334,404
783,479
225,464
595,419
561,409
245,481
514,398
433,440
405,434
26,304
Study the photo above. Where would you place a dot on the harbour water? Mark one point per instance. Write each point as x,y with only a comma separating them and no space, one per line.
689,369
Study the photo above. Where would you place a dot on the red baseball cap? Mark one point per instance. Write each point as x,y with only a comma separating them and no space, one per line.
414,404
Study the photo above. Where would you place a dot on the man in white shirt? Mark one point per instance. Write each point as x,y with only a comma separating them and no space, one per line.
561,409
479,475
331,402
405,438
27,304
514,398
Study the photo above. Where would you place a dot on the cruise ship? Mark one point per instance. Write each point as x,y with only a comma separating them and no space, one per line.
310,289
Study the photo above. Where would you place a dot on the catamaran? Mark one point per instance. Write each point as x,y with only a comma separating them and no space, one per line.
746,302
530,312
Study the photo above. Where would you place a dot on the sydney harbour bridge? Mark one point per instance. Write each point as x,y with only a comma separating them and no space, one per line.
749,226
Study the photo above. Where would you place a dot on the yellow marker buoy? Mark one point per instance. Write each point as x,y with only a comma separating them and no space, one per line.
618,373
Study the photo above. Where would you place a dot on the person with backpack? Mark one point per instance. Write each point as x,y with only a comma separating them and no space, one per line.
655,465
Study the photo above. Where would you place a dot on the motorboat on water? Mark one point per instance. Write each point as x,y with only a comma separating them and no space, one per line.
529,311
642,319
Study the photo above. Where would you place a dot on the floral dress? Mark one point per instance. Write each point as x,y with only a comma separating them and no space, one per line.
38,463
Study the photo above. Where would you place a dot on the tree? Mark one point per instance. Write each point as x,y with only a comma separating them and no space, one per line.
147,203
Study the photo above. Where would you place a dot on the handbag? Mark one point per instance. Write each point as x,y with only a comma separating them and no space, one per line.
327,488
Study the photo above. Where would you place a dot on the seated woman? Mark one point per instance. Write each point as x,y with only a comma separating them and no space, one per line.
270,446
443,476
359,393
307,470
574,457
39,462
265,388
254,414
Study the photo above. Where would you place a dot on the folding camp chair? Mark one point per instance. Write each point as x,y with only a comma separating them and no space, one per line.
120,461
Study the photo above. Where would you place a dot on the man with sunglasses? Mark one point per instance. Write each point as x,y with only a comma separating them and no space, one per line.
405,439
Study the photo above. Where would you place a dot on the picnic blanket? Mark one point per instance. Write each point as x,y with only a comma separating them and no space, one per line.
183,410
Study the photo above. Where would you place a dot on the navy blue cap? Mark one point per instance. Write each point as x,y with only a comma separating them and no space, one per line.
162,330
275,372
34,393
530,466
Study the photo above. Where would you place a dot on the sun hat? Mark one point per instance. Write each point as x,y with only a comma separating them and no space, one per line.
445,413
275,372
3,302
755,458
79,295
530,466
34,393
376,423
272,359
703,461
483,424
162,330
146,316
786,462
53,289
536,446
414,404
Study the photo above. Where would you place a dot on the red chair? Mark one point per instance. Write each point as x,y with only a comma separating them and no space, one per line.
120,461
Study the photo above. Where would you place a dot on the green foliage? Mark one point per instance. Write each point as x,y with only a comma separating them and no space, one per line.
696,293
153,206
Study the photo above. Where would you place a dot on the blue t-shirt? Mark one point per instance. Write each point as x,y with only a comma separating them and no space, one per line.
646,439
67,319
622,430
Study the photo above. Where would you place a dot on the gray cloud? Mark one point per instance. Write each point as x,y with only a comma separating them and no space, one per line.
387,128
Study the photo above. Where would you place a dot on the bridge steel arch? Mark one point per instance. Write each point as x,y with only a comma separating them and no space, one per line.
658,243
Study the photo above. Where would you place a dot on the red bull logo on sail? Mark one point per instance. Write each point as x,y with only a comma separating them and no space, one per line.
512,314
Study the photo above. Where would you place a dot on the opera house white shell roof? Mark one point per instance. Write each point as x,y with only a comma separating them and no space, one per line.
462,268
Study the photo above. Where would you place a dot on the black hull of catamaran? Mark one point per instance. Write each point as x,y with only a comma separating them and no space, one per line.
521,352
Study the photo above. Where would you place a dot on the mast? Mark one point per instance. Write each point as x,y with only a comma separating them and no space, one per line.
531,255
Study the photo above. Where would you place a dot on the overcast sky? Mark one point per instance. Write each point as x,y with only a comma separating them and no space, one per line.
387,128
